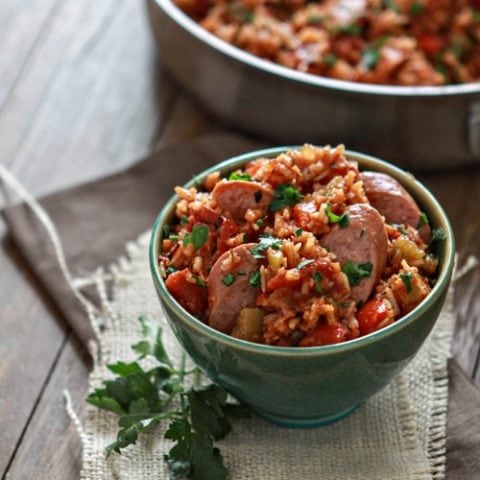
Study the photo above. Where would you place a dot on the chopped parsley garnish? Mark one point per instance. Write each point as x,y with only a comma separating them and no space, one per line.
265,241
171,269
390,4
255,279
371,54
173,238
143,398
304,263
260,222
198,237
228,279
315,19
438,235
240,176
286,195
406,278
417,8
370,58
356,272
184,220
423,220
331,60
242,14
166,231
196,181
298,232
342,220
351,29
199,281
457,50
245,238
317,278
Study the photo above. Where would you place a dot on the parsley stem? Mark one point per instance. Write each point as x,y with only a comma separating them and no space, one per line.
197,376
183,362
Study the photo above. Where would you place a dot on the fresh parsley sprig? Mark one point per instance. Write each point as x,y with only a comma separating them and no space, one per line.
142,398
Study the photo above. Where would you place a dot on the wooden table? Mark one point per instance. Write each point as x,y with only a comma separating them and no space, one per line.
81,96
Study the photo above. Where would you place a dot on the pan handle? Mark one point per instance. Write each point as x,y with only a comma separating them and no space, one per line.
474,130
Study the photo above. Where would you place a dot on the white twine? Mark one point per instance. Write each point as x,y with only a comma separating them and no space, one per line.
43,217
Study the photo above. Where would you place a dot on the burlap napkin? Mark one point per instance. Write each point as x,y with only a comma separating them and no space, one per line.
96,220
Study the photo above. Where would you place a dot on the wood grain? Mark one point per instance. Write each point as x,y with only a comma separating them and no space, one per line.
51,446
459,193
80,101
81,96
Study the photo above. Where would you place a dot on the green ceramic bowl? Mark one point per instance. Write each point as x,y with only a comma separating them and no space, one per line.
307,387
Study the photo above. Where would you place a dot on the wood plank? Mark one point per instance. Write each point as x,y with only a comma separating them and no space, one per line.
86,98
51,446
459,193
84,105
31,341
21,25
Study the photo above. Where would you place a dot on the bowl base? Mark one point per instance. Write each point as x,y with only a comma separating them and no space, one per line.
309,422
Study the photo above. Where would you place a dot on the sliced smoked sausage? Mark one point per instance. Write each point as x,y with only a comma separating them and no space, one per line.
364,240
229,288
235,197
393,201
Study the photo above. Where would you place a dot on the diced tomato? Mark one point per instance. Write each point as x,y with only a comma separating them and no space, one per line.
325,334
430,43
281,281
227,230
206,215
371,315
302,212
191,296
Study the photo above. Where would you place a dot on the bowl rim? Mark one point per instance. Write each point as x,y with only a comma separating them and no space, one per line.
415,188
266,66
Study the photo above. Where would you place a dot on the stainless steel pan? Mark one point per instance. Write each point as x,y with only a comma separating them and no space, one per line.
416,127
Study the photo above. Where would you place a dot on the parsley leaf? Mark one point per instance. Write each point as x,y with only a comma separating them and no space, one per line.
406,278
304,263
143,398
438,236
198,237
285,195
265,242
356,272
240,176
391,5
255,279
371,54
331,60
228,279
152,343
351,29
423,220
200,281
417,8
317,278
343,220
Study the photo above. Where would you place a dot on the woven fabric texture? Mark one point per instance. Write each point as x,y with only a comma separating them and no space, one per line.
399,434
